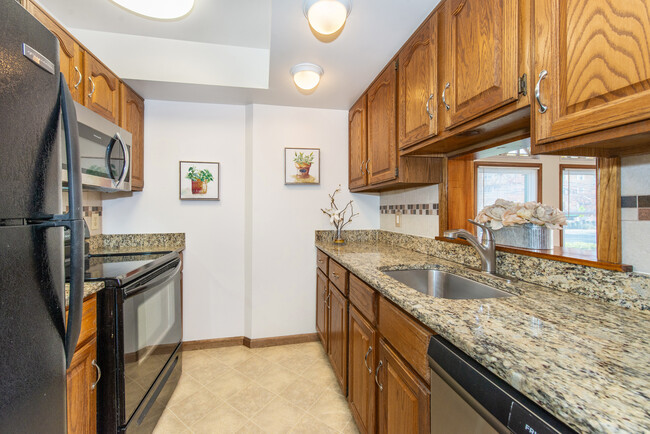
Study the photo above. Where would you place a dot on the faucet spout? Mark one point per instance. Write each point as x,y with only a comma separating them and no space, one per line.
486,247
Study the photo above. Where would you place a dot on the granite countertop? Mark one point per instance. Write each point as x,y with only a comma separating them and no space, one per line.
585,361
90,288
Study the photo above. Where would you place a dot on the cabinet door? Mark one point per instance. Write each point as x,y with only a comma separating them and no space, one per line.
322,317
132,120
597,59
102,90
403,399
358,142
338,336
481,57
382,139
418,99
81,395
70,53
361,390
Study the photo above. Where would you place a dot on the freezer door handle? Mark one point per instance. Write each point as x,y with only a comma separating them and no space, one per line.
74,220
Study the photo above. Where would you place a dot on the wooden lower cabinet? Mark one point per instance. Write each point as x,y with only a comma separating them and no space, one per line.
338,336
361,383
322,310
403,403
82,394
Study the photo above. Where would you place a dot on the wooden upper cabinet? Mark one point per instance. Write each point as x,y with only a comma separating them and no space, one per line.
418,96
102,89
132,119
597,61
482,57
382,137
358,142
71,54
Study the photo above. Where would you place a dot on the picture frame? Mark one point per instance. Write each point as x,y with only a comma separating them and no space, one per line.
199,180
302,166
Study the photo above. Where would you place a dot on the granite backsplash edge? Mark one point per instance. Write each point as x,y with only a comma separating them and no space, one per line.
157,241
626,289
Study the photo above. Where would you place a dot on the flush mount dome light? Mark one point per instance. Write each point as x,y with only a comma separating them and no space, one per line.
306,75
326,16
159,9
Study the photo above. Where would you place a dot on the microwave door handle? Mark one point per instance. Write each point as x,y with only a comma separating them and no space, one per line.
158,281
127,159
109,149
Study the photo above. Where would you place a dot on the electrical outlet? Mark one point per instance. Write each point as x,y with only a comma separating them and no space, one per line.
398,219
94,221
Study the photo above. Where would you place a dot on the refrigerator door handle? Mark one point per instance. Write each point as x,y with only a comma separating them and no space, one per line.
74,221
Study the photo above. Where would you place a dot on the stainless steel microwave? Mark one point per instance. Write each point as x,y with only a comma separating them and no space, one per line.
105,150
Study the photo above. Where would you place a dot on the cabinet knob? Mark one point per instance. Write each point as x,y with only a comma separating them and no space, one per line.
99,374
542,76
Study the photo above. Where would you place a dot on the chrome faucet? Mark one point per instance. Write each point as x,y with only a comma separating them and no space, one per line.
486,247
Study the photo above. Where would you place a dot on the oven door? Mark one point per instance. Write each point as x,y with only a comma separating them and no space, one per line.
152,330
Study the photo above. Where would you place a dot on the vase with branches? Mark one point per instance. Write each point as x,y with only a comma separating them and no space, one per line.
338,216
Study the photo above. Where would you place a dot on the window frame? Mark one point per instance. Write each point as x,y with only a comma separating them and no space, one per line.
478,163
576,166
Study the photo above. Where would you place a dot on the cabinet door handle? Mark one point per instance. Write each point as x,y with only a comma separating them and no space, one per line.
361,167
367,163
327,300
76,85
381,388
444,100
428,112
93,89
365,360
542,76
99,374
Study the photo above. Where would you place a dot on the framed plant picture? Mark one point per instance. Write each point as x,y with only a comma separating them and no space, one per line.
301,166
198,180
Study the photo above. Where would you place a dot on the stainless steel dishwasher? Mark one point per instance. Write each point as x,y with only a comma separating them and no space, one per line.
466,398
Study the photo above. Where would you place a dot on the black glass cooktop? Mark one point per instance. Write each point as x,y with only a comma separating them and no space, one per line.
117,270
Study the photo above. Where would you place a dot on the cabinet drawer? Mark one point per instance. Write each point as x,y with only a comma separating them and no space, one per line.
321,261
408,337
364,298
338,276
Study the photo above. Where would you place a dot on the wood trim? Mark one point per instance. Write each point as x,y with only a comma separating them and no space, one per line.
248,342
570,256
608,212
570,166
509,164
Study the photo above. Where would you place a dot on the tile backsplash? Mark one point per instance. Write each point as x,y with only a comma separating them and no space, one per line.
92,209
417,209
635,211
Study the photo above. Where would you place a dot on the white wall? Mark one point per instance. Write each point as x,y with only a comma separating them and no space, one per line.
284,217
214,255
249,258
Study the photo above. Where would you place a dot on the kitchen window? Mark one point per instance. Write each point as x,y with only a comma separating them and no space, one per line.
578,191
518,182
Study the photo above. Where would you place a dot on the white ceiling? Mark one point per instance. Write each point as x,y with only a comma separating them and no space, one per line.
240,51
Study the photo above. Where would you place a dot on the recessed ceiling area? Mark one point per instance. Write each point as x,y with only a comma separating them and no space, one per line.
240,52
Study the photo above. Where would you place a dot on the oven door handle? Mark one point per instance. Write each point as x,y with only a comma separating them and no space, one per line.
158,281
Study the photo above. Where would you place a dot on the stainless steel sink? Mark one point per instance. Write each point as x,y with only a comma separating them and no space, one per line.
441,284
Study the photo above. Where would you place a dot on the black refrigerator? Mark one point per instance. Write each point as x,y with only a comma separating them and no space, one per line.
36,114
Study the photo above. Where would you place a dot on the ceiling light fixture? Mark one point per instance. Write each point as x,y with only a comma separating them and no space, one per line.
159,9
326,16
306,75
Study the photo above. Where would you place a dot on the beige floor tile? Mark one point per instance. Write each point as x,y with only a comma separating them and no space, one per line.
232,356
351,428
250,400
223,419
309,424
186,386
321,374
251,428
279,416
332,409
275,378
298,363
195,406
302,393
229,383
208,372
254,368
169,423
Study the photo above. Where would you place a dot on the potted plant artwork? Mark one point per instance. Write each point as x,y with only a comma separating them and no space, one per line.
303,163
301,166
200,179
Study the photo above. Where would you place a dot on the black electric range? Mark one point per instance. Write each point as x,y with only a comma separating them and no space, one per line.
117,270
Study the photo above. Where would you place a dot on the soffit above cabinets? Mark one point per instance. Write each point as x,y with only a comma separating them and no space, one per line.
240,52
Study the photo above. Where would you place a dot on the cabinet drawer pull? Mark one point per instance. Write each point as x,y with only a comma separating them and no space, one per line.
542,76
381,388
428,112
444,100
76,85
99,374
335,275
320,261
365,360
93,89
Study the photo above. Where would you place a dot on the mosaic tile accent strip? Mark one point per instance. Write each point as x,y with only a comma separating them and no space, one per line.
410,209
642,203
87,210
